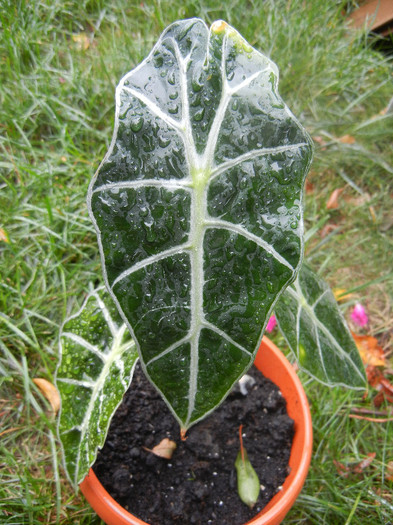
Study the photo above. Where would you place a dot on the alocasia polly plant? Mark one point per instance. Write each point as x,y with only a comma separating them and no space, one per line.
198,211
197,207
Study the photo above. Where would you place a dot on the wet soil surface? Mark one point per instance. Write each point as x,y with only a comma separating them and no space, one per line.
198,484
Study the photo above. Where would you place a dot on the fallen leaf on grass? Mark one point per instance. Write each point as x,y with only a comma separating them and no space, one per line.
365,462
50,392
377,380
381,397
341,294
369,350
355,468
82,41
4,236
373,357
332,203
347,139
164,449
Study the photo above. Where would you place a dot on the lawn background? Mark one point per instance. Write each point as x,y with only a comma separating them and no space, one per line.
60,61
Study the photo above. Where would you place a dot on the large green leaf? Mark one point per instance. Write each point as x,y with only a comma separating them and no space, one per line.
197,207
95,370
311,322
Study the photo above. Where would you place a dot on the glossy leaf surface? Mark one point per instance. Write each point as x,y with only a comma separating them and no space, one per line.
97,362
311,322
197,207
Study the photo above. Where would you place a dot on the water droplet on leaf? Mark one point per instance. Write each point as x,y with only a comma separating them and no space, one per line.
136,124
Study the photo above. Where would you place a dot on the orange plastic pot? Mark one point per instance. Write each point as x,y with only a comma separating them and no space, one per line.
273,364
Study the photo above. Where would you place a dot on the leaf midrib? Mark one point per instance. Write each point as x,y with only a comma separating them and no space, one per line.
202,170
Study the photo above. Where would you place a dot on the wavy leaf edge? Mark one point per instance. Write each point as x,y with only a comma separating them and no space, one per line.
296,292
186,184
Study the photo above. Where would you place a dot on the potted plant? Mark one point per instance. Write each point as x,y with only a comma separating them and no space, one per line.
198,211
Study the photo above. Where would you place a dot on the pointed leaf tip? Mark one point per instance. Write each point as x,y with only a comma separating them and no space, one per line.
200,130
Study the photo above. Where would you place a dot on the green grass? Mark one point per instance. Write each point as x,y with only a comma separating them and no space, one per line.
56,119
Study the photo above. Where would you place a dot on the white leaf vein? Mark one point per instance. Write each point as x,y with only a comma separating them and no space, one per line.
85,344
299,296
76,382
176,250
168,350
224,335
154,108
107,316
171,185
225,225
254,154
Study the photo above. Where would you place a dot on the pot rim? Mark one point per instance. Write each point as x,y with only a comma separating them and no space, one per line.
276,367
272,362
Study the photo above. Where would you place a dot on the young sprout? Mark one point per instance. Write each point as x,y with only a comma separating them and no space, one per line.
248,485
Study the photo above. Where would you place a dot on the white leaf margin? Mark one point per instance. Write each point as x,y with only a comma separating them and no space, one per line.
296,293
198,162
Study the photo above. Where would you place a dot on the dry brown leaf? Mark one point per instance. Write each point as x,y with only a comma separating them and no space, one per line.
340,294
379,399
82,41
347,139
354,468
164,449
342,469
50,392
4,235
365,462
374,375
377,380
332,203
370,351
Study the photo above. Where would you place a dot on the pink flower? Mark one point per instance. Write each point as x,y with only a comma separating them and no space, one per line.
359,315
271,324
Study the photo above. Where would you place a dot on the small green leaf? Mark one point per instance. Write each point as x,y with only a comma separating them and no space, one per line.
97,360
248,485
198,209
311,322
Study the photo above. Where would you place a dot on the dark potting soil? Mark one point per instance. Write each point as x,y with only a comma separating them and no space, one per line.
198,484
